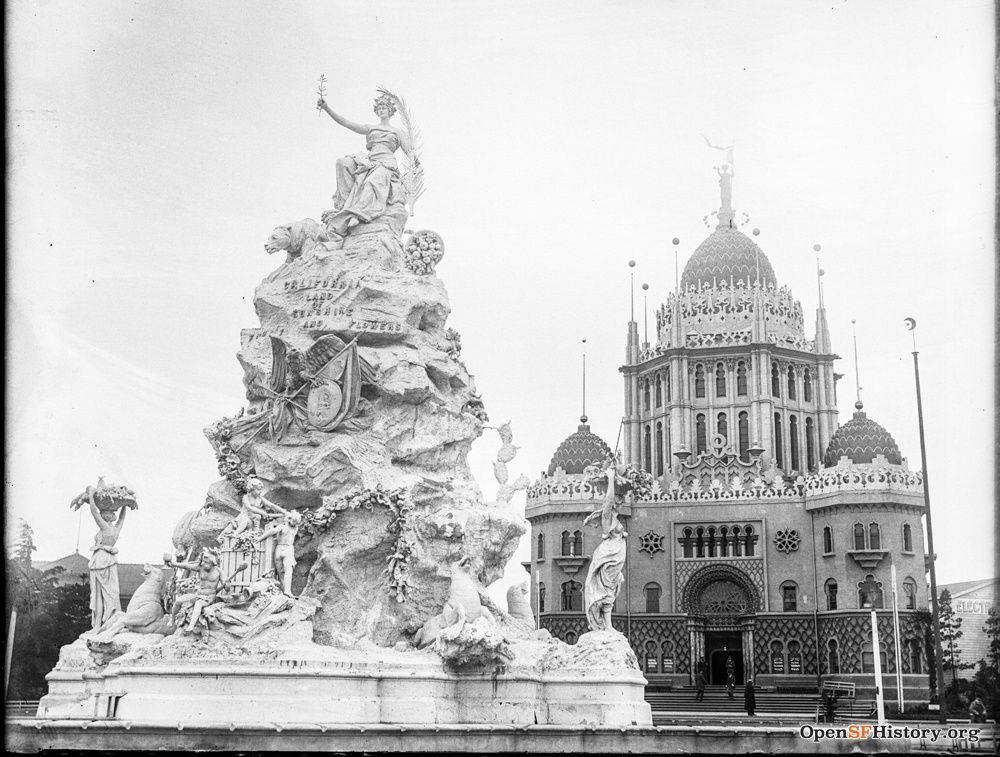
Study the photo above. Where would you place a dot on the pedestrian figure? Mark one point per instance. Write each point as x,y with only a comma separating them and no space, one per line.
830,706
977,711
700,685
730,683
749,698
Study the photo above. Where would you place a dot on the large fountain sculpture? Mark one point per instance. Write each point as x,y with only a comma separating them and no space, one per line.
337,571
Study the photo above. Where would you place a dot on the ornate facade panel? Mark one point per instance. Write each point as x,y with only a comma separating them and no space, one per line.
854,630
562,626
741,570
787,628
668,636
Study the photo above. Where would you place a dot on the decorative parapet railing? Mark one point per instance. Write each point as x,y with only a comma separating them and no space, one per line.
720,313
877,476
563,486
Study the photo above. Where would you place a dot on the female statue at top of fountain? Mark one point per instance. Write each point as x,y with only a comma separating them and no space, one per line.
369,184
605,576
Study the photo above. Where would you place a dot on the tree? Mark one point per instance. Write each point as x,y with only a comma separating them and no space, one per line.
951,632
992,629
986,681
25,545
923,619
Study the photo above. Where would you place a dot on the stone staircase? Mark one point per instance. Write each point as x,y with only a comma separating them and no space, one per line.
798,706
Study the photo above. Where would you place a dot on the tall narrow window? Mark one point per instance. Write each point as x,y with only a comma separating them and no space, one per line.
720,380
700,434
859,536
699,381
874,536
910,594
793,441
779,456
868,659
807,386
567,544
741,379
907,538
810,444
832,656
831,594
777,657
647,449
652,591
791,382
744,437
789,596
827,540
750,540
722,426
578,543
666,378
572,597
687,541
541,546
916,656
775,380
659,391
659,449
645,394
541,597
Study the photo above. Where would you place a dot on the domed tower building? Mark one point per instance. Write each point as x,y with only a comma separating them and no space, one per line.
771,531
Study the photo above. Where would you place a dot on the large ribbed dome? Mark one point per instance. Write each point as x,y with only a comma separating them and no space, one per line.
728,254
579,450
860,440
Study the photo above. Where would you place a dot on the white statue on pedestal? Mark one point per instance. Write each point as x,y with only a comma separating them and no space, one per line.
605,576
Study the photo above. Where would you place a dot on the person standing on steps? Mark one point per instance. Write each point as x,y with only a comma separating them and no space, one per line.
749,698
699,683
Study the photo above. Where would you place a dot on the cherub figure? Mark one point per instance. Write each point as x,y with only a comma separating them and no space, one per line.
253,509
284,548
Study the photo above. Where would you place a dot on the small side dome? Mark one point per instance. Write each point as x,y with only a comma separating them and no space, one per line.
579,450
860,440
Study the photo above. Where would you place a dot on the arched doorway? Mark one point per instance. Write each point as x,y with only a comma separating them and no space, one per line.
721,602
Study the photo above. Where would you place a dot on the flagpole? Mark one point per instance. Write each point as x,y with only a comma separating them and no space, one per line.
896,641
911,324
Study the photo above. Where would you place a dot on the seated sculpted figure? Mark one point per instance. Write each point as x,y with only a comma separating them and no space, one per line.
210,583
369,184
254,507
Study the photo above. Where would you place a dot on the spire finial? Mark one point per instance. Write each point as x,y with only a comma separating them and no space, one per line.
631,273
677,276
583,416
645,315
819,274
857,375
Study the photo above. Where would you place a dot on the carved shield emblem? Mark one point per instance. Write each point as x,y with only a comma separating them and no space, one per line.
324,404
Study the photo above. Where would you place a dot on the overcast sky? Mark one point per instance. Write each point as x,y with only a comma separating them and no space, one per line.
153,146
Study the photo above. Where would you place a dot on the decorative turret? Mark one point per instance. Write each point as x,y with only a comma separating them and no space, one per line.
860,440
578,450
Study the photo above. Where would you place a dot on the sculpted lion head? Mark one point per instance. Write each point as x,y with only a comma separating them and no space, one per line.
279,241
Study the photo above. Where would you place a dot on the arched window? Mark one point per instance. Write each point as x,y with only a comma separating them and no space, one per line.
541,546
647,448
789,596
810,444
666,379
830,587
699,543
645,394
859,536
741,379
541,597
688,542
700,434
650,656
827,540
793,441
907,538
750,541
699,381
567,544
652,592
868,659
807,385
910,594
777,657
572,597
659,449
737,542
775,380
720,380
791,382
711,541
874,536
570,637
744,437
794,658
779,457
578,543
870,593
667,657
916,656
832,656
722,426
659,391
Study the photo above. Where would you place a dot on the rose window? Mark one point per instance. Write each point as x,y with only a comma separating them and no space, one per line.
651,543
787,540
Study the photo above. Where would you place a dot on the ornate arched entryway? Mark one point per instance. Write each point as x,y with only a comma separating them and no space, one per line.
721,602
